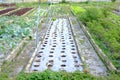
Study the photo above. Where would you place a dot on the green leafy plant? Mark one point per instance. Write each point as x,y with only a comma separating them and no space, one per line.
50,75
104,27
113,0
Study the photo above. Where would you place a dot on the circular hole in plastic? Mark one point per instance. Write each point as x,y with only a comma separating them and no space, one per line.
63,48
52,48
41,52
50,61
76,65
50,55
46,38
42,48
76,61
38,60
39,56
74,56
35,70
73,45
51,52
64,60
50,65
73,52
63,43
62,51
63,55
36,65
73,49
44,45
54,45
63,65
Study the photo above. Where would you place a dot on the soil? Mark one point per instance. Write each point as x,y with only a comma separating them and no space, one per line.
21,60
8,5
20,12
6,10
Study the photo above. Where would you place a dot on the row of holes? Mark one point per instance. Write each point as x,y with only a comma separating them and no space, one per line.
61,51
54,38
38,60
51,61
50,65
39,56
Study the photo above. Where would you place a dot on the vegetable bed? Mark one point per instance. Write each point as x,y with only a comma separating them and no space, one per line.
104,27
6,10
8,5
20,12
13,29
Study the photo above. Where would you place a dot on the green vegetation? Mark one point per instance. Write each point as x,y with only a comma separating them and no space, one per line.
50,75
13,30
113,0
101,22
3,76
104,28
63,1
31,4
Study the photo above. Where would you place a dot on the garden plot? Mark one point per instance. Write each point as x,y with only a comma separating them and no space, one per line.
102,31
91,59
20,12
58,50
8,5
14,29
6,10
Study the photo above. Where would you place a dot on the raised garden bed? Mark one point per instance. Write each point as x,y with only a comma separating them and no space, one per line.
6,10
20,12
8,5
